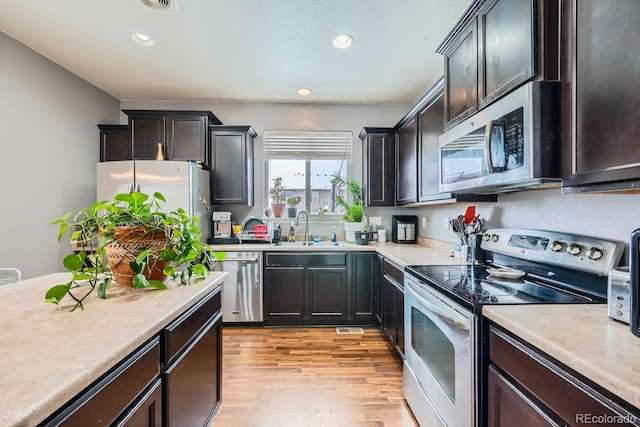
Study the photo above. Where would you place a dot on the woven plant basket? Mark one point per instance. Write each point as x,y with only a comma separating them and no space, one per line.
129,241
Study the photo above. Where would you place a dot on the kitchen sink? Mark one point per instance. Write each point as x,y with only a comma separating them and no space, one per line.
304,244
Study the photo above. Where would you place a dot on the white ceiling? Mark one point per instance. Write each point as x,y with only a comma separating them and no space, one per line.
242,50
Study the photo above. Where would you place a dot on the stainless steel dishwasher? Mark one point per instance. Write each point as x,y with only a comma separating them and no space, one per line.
242,289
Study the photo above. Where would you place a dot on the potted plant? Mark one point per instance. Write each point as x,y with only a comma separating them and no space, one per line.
293,203
353,205
129,240
277,197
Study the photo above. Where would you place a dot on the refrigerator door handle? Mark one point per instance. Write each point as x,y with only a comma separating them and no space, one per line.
137,187
130,187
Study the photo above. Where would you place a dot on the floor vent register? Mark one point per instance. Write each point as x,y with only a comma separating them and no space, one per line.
349,331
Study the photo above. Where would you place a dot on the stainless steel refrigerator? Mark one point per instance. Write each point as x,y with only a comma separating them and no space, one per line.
183,184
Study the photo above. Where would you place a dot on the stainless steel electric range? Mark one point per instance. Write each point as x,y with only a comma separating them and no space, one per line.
443,378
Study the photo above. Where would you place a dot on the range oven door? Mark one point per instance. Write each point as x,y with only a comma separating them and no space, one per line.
440,357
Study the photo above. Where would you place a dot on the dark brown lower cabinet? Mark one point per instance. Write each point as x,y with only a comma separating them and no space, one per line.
193,380
528,388
147,412
508,406
103,402
320,288
393,306
173,380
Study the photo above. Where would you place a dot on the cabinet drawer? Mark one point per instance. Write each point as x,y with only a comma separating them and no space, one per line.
393,272
560,391
308,260
104,401
185,327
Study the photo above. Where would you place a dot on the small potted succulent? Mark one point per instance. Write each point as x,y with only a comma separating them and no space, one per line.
293,206
131,241
278,198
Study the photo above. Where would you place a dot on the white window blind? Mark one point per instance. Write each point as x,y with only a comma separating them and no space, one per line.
307,145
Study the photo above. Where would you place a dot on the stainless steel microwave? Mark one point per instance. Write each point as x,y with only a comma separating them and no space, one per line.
513,144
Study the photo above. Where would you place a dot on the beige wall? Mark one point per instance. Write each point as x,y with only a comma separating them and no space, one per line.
49,143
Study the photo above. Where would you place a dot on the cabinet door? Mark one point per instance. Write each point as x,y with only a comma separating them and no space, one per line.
461,76
146,132
389,320
193,383
114,143
327,294
231,167
379,168
284,293
507,47
508,406
378,298
147,412
430,126
407,163
399,306
186,138
363,272
600,80
103,402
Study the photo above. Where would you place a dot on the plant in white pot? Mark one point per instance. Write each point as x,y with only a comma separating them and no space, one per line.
278,198
353,205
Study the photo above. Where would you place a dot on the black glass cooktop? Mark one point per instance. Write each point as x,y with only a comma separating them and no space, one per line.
473,285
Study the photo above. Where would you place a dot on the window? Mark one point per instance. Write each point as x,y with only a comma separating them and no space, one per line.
306,162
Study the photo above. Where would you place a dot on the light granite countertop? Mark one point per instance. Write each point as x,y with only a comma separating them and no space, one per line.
582,337
401,254
47,356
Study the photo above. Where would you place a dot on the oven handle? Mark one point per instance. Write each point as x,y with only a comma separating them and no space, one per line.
447,317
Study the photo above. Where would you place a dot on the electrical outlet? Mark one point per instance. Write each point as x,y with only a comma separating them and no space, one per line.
375,220
424,221
447,223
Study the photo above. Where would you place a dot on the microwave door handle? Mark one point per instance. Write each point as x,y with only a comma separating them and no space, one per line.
487,145
447,317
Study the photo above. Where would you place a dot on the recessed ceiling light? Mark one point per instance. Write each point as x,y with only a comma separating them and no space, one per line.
304,92
142,39
342,41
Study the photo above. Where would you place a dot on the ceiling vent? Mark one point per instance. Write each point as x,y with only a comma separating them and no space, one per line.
166,6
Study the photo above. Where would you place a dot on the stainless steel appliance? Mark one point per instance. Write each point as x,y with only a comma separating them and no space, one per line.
512,144
183,184
222,225
242,289
618,294
444,377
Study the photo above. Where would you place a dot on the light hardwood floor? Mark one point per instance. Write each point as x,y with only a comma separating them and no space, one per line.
310,377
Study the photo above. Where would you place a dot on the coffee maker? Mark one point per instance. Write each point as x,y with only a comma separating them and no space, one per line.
222,225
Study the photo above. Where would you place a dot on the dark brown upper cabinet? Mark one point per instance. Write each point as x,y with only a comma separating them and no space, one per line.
497,46
461,75
232,177
114,143
183,134
407,162
600,103
378,165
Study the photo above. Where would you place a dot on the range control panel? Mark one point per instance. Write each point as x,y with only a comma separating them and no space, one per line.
590,254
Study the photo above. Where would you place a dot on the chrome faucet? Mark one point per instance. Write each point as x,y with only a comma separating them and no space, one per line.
306,227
